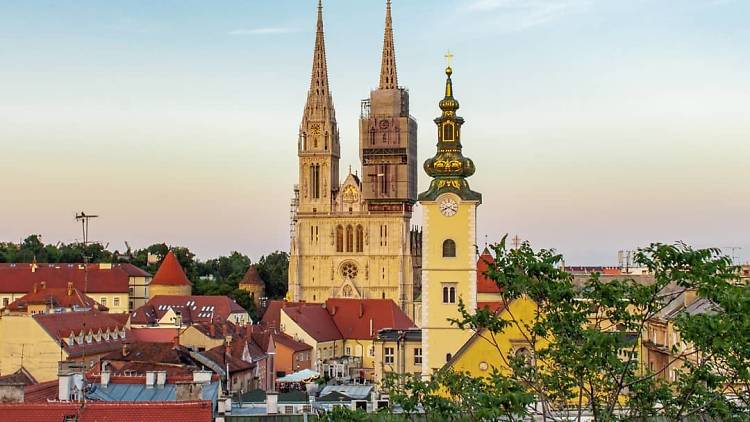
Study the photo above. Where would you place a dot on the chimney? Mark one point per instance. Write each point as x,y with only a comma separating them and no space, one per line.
150,379
43,285
161,378
125,350
361,309
105,378
35,288
224,329
70,288
176,342
212,330
64,386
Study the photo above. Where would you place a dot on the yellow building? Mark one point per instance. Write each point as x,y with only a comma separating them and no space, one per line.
353,239
39,342
449,240
484,351
206,336
398,352
170,279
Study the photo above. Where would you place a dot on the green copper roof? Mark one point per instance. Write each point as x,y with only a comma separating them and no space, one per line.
449,168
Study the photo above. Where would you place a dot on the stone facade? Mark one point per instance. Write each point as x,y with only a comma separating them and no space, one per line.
354,238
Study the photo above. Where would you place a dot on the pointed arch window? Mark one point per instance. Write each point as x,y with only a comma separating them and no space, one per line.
349,238
372,136
340,239
449,248
327,139
360,239
304,141
315,181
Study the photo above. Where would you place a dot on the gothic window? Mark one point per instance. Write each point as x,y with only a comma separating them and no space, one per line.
385,138
360,239
449,248
315,141
327,139
315,181
339,239
304,141
349,239
347,291
383,179
372,136
448,132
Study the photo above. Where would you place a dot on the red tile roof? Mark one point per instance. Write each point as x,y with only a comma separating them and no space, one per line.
272,316
217,330
42,392
21,376
170,272
109,411
233,359
252,277
102,278
153,335
315,321
150,352
60,326
193,309
290,343
484,283
55,297
355,317
348,318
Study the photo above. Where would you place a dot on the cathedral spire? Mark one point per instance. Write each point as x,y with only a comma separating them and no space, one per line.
388,74
319,102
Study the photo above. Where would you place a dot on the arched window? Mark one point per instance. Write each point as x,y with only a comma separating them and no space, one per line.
304,141
327,138
449,248
372,136
360,239
315,181
349,239
448,132
448,357
340,239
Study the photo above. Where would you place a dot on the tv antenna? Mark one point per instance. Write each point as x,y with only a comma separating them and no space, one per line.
84,219
733,253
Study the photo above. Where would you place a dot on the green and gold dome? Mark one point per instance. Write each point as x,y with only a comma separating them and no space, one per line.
449,168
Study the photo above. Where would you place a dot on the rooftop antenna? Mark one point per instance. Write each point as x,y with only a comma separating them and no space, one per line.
84,219
516,241
733,253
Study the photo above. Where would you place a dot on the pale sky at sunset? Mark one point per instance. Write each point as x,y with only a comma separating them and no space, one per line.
595,125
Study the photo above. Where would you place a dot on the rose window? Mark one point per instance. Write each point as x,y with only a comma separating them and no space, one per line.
349,270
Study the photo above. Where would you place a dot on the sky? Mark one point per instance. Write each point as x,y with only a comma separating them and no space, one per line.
595,125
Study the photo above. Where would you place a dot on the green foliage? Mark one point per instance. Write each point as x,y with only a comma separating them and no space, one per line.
586,341
274,270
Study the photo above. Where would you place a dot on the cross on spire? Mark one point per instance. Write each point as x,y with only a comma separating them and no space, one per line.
449,58
388,74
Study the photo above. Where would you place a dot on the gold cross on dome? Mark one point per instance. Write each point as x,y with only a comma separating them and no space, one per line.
449,57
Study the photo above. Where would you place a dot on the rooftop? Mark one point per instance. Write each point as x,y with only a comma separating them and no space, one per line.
110,412
170,272
102,278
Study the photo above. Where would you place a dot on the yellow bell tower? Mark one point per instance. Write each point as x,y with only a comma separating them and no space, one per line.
449,239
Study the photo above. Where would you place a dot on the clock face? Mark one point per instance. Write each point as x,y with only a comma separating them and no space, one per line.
449,207
315,129
384,124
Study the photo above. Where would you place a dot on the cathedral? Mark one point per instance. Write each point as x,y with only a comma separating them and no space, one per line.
353,238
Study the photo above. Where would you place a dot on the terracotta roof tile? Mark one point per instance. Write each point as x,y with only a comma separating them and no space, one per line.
170,272
252,277
60,326
57,297
353,317
19,278
193,309
108,411
42,392
272,316
484,283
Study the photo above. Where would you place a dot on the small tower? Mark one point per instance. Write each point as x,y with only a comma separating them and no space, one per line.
253,284
170,279
449,239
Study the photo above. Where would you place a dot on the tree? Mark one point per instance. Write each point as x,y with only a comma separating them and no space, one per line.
274,270
579,333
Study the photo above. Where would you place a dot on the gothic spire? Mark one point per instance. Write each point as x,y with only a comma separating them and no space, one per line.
319,102
388,74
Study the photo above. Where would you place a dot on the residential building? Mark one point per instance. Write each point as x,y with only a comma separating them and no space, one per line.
342,332
122,286
39,342
43,299
398,352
